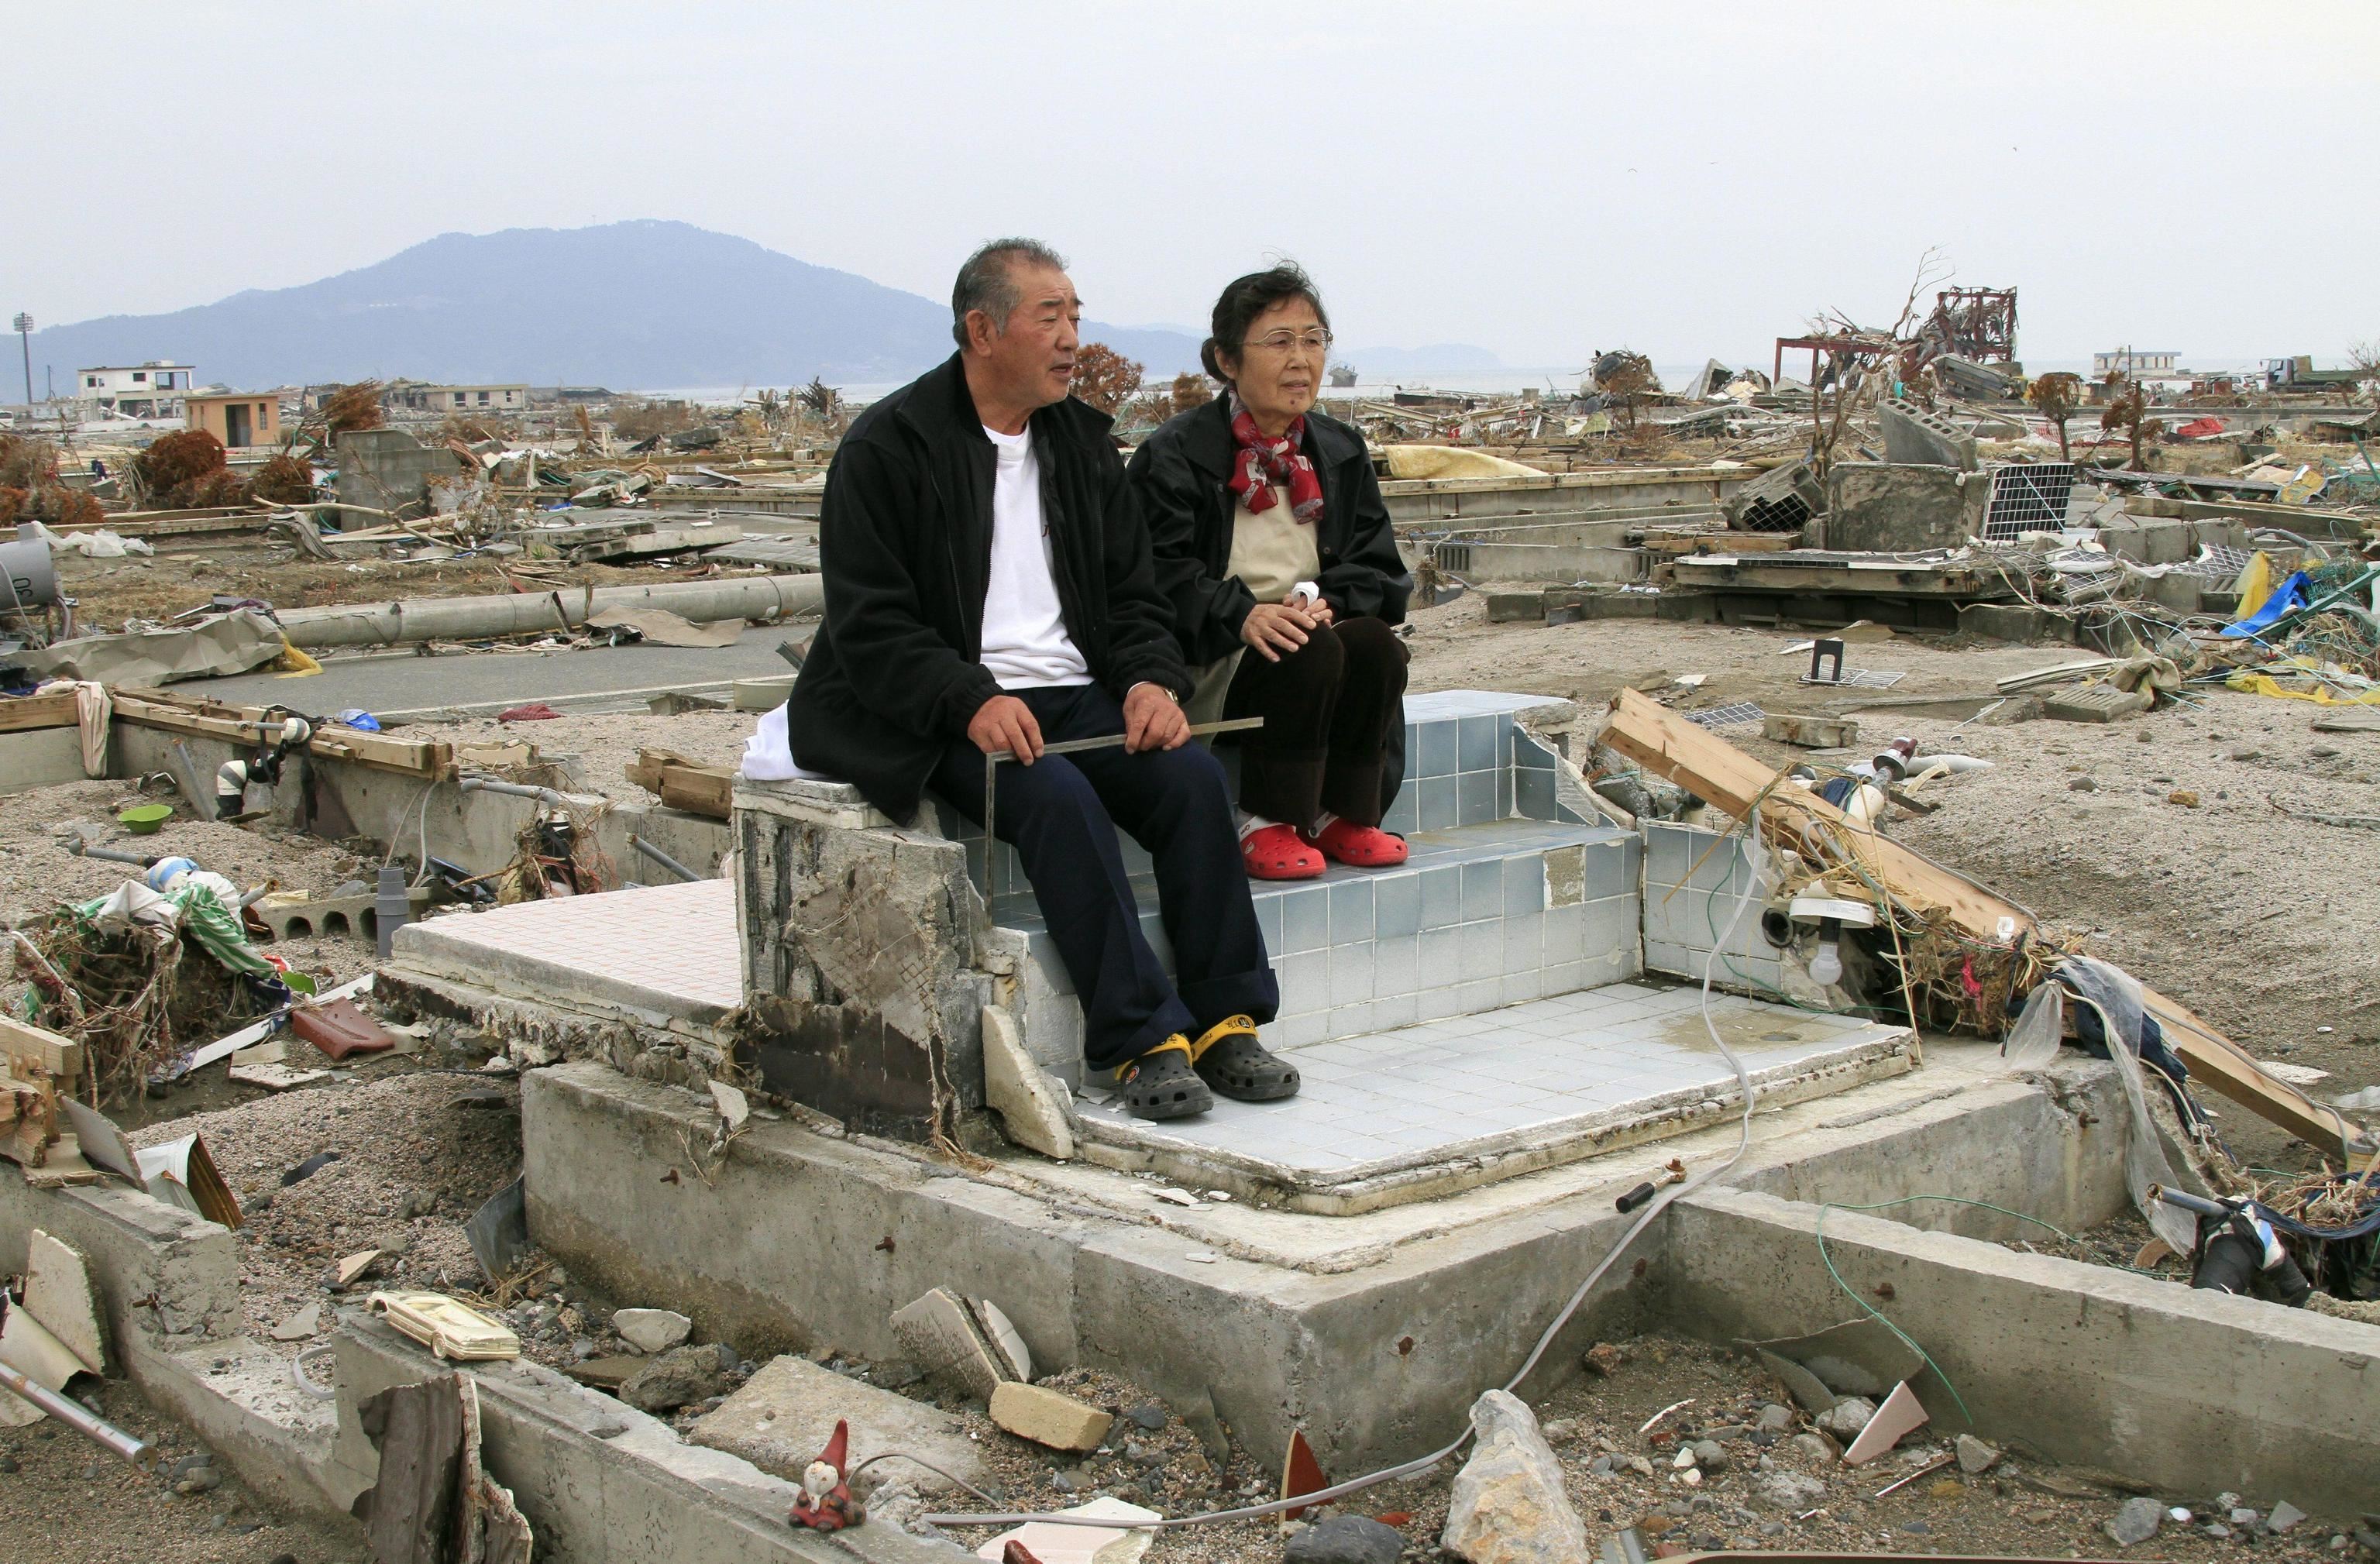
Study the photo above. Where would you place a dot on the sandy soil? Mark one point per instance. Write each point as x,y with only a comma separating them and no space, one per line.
418,1150
594,750
63,1497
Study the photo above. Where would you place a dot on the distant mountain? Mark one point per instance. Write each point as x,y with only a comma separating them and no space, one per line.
627,305
634,306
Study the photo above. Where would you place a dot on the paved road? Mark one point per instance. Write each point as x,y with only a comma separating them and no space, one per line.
608,679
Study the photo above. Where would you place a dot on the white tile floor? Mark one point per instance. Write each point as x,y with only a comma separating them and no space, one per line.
675,943
1442,1088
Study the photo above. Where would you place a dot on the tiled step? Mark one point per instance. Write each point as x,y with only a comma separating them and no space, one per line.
1467,763
1478,917
1423,1109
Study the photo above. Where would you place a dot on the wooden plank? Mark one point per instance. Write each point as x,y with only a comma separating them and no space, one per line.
710,790
55,710
681,783
1667,746
58,1058
412,757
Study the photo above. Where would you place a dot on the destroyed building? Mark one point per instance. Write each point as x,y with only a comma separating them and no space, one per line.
1695,1116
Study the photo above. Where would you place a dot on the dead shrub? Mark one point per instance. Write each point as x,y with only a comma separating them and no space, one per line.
168,472
283,480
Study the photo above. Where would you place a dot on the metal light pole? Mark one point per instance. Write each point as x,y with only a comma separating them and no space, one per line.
24,340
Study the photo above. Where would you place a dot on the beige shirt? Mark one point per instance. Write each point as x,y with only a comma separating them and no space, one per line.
1272,551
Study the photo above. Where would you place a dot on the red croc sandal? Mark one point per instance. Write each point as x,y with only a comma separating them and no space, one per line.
1278,852
1363,847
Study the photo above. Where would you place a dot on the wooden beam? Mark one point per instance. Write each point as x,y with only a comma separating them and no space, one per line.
682,783
54,710
58,1058
1714,771
422,758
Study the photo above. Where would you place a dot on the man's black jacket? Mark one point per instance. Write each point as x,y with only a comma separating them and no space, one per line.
1181,472
905,545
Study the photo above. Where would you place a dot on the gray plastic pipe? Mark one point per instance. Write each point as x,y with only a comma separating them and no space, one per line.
513,790
563,609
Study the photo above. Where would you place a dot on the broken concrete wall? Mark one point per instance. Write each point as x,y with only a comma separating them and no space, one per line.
1913,437
1884,507
862,972
387,467
2192,1391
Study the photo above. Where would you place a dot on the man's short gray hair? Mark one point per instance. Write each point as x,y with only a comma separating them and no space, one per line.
987,282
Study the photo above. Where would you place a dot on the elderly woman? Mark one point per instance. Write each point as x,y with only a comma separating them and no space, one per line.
1275,548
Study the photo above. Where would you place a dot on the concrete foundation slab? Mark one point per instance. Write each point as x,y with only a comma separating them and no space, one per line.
1372,1331
1405,1114
661,960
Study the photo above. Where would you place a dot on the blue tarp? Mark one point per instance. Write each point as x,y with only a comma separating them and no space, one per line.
2290,595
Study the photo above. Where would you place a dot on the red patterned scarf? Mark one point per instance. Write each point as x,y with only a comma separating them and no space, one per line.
1263,461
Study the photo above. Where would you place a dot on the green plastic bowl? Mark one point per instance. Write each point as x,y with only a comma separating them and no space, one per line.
142,819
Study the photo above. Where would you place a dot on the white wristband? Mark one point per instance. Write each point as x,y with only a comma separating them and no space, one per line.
1308,590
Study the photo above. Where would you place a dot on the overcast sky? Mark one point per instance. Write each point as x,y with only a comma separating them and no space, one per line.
1541,179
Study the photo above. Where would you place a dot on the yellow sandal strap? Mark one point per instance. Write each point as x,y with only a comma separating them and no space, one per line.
1229,1027
1174,1044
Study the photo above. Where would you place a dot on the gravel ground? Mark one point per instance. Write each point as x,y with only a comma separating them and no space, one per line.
595,750
418,1152
37,872
1616,1476
62,1498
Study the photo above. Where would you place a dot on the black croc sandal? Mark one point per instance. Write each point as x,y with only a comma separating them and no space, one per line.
1160,1083
1230,1059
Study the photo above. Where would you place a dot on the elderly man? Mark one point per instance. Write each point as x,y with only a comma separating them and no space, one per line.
989,589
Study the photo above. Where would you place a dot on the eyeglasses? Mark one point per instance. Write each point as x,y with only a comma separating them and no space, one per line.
1283,341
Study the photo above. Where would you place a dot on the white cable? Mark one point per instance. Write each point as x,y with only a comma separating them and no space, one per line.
420,831
1421,1463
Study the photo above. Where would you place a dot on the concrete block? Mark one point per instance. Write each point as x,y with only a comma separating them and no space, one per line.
2152,540
57,1292
942,1337
1027,1101
600,1480
1048,1417
1780,500
1810,733
762,695
784,1414
1914,437
2095,703
388,468
1613,605
40,758
2020,622
1687,608
1877,507
1512,608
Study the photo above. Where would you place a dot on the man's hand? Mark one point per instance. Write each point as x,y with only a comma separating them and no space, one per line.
1153,719
1317,609
1274,628
1006,723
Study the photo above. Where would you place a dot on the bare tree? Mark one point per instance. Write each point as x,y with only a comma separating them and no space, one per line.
2364,358
2057,395
1104,378
1864,366
2127,409
821,402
